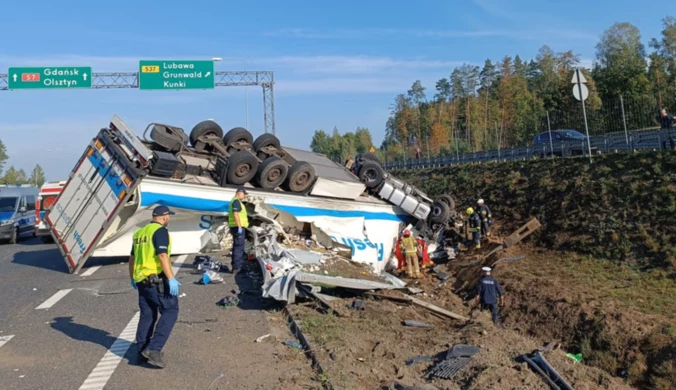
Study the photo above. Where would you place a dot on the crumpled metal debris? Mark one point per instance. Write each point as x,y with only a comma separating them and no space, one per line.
228,301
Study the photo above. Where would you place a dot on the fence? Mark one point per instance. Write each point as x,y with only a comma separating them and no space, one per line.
607,143
614,125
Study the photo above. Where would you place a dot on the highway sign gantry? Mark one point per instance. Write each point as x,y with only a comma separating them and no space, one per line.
176,74
49,77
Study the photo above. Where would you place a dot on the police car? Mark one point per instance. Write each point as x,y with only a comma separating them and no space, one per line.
17,212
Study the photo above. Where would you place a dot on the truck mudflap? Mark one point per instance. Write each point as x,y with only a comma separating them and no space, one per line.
103,180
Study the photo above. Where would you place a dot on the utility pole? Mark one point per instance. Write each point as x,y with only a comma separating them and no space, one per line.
551,143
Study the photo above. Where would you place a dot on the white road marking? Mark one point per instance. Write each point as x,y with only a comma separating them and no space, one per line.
5,339
55,298
91,270
177,264
98,378
103,371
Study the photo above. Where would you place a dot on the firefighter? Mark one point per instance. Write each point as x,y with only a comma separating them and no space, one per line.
486,218
474,227
488,291
410,248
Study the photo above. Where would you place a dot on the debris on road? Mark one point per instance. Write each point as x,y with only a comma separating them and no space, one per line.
211,277
538,363
418,324
258,340
228,302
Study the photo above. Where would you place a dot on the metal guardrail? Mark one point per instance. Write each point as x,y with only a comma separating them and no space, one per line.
602,144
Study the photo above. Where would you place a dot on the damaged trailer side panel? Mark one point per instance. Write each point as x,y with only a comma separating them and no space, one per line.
103,180
368,227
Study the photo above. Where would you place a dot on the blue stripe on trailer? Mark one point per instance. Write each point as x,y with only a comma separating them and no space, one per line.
106,172
221,206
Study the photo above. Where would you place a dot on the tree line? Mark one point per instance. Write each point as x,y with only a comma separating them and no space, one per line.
505,103
13,176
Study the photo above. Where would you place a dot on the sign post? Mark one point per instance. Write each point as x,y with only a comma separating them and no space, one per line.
53,77
581,93
176,74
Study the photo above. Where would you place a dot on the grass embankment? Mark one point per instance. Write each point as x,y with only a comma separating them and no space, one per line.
622,207
611,291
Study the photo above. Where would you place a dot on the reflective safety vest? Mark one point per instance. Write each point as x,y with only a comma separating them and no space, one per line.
146,261
243,217
409,244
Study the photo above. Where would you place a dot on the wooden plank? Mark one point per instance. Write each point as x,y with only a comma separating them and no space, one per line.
421,303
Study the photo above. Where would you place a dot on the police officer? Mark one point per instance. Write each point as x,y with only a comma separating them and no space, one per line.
487,293
410,247
238,220
151,274
486,218
474,227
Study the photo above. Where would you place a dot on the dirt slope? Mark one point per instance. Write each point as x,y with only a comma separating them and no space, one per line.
622,207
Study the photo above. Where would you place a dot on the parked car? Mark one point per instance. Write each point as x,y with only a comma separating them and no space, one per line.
565,142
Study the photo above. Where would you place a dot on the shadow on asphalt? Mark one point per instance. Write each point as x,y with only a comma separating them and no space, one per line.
86,333
49,259
82,332
249,282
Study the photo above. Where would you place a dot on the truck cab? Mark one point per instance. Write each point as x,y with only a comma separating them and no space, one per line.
17,209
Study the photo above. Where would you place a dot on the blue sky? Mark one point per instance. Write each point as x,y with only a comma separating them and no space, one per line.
335,63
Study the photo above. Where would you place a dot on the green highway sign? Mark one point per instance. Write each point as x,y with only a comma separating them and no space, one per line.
50,77
176,74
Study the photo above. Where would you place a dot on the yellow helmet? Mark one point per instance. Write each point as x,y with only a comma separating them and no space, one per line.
470,211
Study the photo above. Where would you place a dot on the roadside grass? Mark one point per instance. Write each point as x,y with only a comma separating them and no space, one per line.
322,328
651,292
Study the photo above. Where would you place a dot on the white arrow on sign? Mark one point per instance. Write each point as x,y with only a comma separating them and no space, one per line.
578,77
84,76
14,77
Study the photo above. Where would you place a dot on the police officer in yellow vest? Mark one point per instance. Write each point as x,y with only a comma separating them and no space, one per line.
410,247
151,274
238,221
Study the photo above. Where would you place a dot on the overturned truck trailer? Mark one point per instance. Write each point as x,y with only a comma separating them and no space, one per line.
120,177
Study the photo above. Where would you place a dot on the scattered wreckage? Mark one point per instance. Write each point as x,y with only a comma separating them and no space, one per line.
120,177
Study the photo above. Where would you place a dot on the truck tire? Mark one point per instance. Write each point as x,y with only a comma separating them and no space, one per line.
448,200
440,213
368,156
169,140
300,178
265,140
242,167
371,174
203,128
271,173
237,134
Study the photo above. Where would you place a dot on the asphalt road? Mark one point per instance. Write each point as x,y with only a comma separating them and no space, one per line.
61,346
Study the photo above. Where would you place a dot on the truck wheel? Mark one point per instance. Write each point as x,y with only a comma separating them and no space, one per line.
271,173
242,167
368,156
169,140
440,212
371,174
265,140
448,200
203,128
300,178
237,134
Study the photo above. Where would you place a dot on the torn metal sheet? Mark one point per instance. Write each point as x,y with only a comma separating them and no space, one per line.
306,257
357,284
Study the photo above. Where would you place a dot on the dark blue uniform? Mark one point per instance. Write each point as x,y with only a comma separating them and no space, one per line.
239,240
475,228
151,302
488,292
